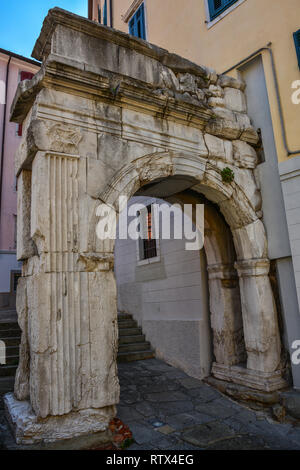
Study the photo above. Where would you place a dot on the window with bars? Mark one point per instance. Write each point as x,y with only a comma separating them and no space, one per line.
137,23
216,7
297,44
23,76
149,244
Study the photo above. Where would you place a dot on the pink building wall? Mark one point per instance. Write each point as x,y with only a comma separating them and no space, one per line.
12,140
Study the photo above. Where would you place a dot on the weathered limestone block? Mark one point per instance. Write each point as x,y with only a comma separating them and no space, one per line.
212,75
244,155
237,210
226,81
169,79
247,182
216,91
216,102
226,315
235,100
223,128
21,389
187,83
25,245
250,241
73,344
259,316
30,429
219,148
43,135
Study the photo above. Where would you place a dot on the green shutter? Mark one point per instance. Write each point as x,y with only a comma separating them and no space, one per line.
297,44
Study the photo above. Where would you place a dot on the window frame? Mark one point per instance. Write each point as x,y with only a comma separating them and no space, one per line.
141,261
142,7
211,22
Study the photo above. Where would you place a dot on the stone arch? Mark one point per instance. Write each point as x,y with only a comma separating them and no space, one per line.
94,132
258,307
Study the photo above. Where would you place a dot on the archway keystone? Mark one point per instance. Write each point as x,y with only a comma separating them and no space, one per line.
106,115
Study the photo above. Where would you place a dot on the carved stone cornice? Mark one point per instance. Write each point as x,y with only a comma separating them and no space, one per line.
111,88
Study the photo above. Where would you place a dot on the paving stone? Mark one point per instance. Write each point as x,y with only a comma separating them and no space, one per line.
208,434
169,409
145,408
183,421
163,443
126,414
131,397
216,409
143,432
239,443
166,396
166,429
204,393
190,383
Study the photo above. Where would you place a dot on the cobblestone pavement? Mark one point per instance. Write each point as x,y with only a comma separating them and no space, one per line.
168,410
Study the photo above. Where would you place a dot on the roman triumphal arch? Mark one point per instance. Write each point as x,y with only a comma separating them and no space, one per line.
106,115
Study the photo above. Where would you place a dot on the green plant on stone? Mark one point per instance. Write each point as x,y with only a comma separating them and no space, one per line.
227,175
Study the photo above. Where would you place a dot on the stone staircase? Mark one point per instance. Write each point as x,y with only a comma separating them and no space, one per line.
10,333
132,344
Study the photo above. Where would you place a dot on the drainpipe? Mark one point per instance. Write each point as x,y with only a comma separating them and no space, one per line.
3,131
111,12
278,99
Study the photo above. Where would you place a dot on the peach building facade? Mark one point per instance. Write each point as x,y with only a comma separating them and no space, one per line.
13,68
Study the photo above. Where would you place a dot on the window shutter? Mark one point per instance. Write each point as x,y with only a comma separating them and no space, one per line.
24,76
105,13
137,23
216,7
297,44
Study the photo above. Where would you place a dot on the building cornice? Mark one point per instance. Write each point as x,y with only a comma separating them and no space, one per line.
111,88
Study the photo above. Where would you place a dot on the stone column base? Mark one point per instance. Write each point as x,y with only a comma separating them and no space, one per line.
264,381
29,429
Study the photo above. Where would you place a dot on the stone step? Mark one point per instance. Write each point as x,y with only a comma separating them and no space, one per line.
131,347
135,356
12,360
9,326
127,324
8,371
131,339
12,341
124,316
12,350
130,331
13,333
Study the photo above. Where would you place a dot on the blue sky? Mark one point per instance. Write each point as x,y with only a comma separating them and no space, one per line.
21,21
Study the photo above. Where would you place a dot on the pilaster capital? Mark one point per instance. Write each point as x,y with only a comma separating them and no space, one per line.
253,267
221,271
